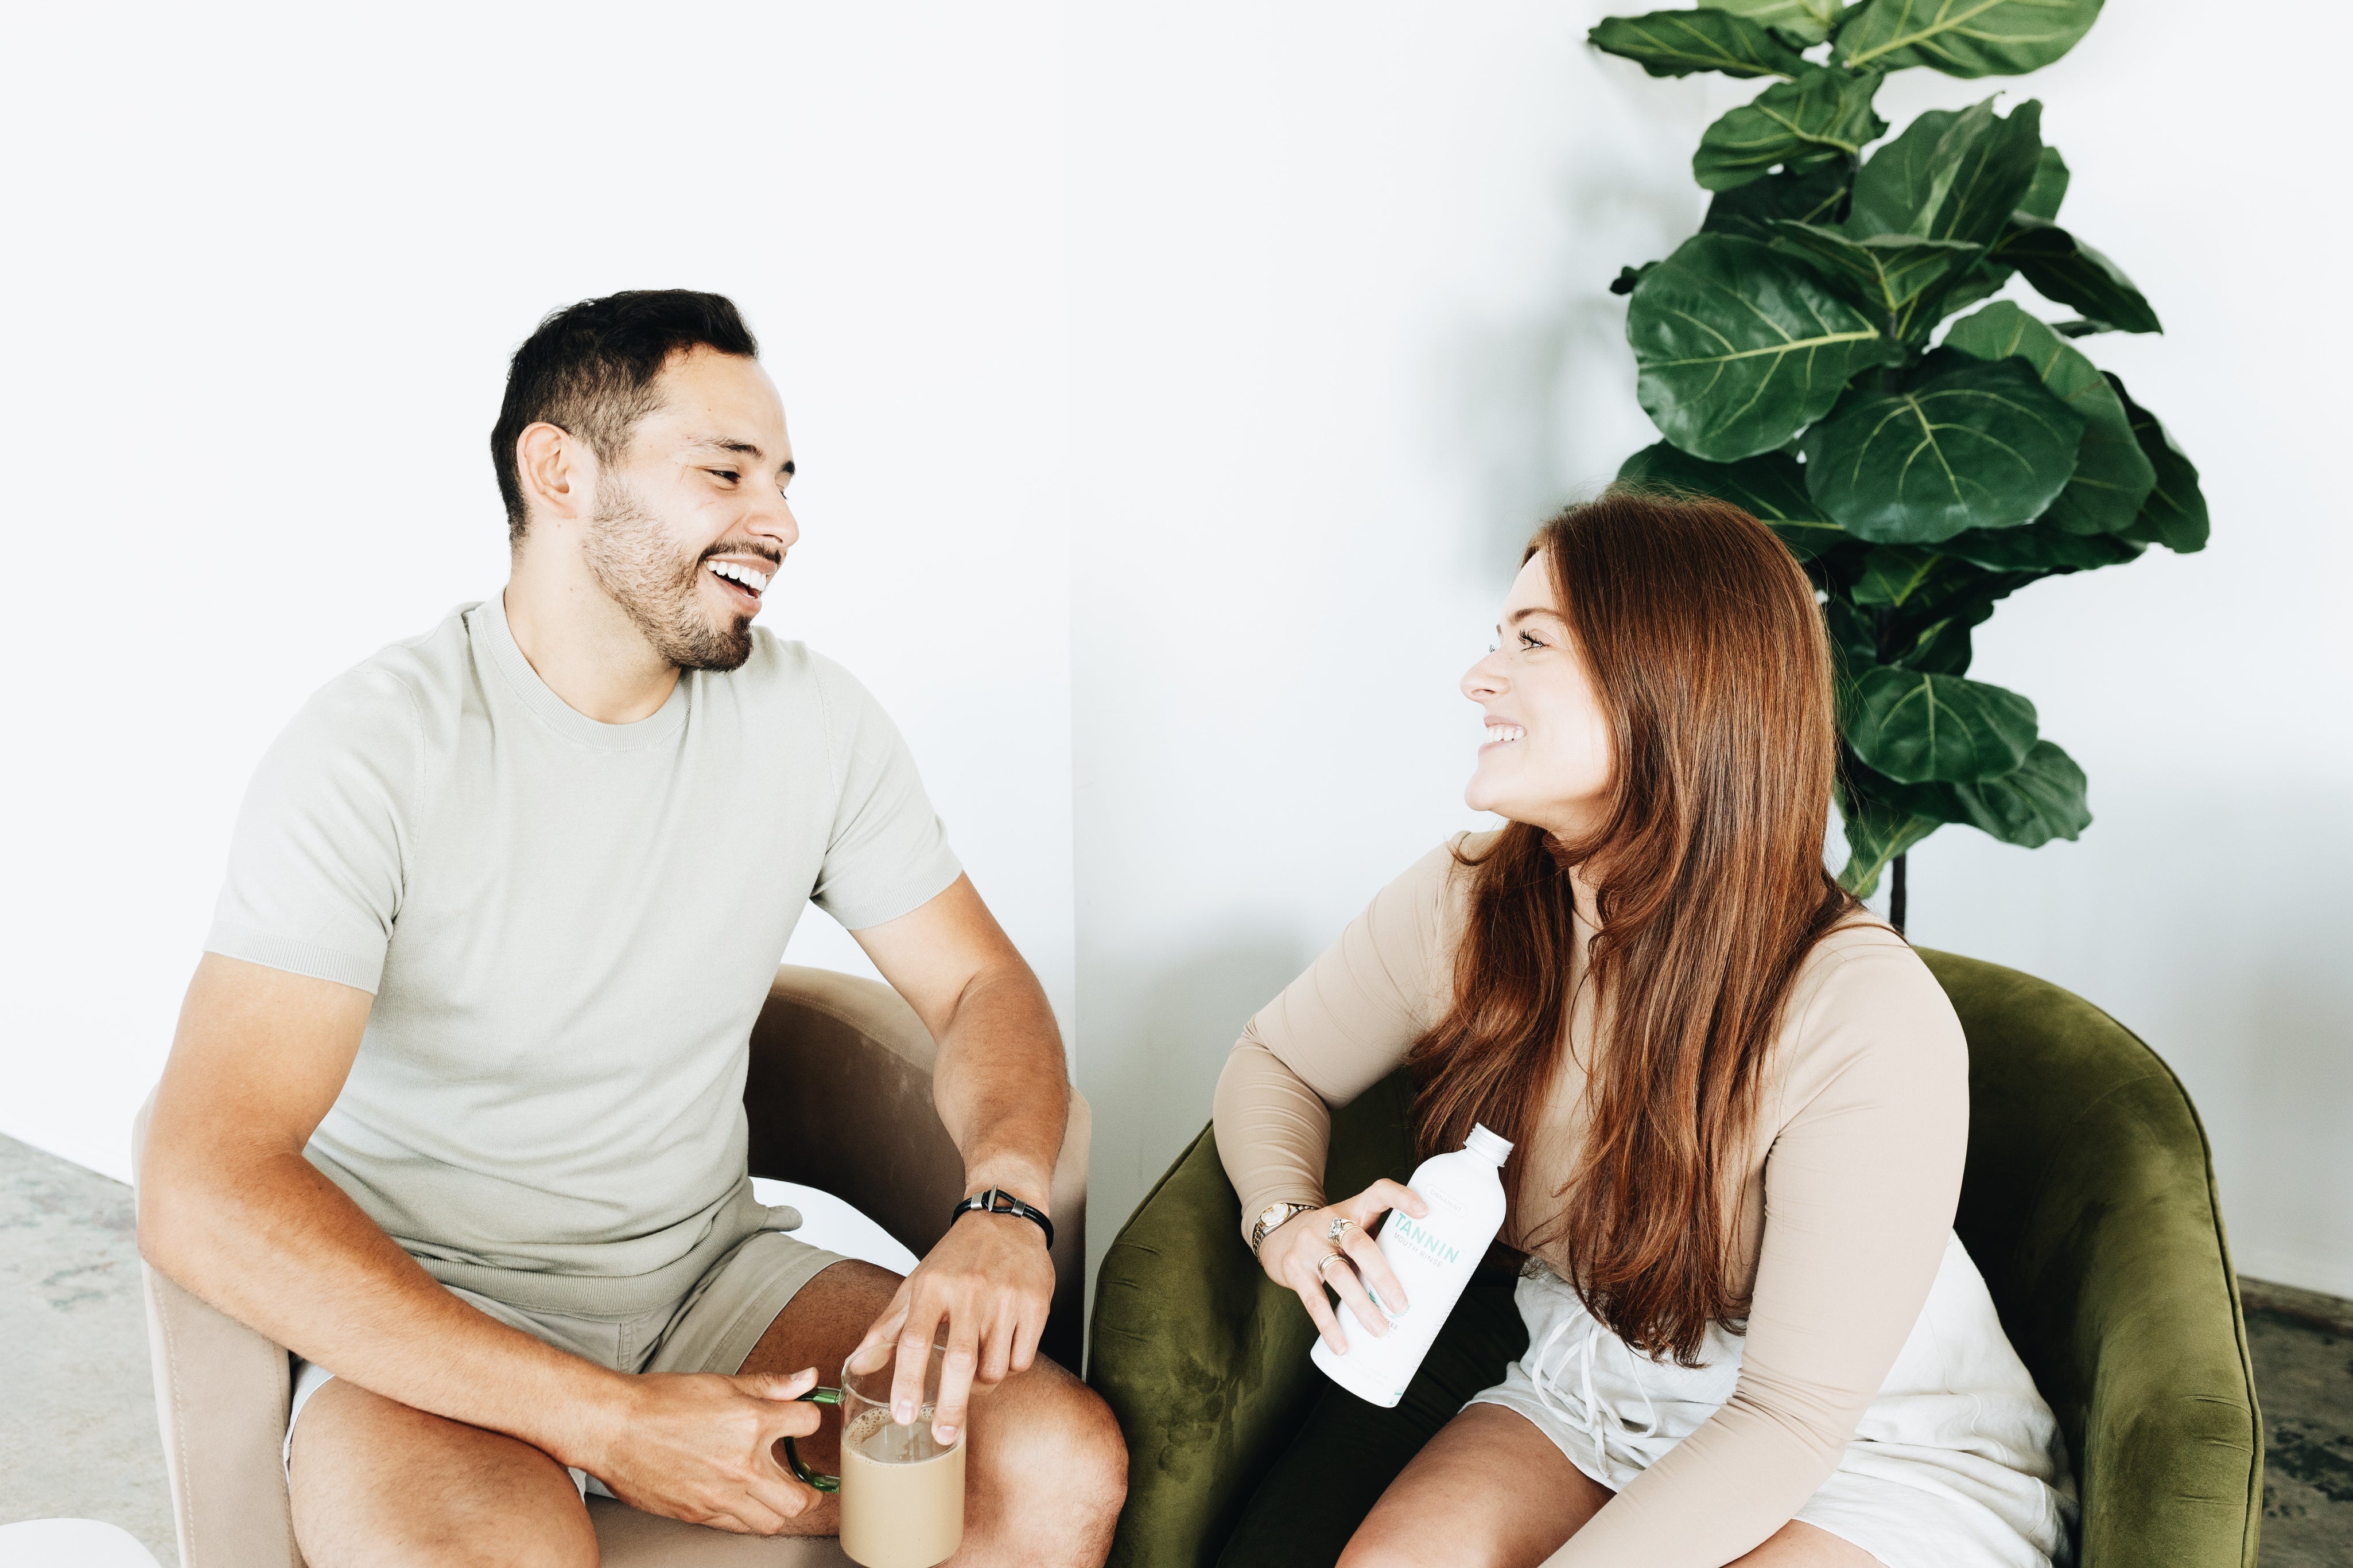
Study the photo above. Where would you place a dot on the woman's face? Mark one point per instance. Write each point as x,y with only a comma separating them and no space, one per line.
1547,759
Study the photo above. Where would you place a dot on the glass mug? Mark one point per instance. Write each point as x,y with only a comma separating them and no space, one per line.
902,1493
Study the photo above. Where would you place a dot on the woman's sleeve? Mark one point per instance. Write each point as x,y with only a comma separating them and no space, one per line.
1335,1032
1860,1189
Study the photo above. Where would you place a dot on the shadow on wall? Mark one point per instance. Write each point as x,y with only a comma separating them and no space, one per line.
1188,1015
1538,409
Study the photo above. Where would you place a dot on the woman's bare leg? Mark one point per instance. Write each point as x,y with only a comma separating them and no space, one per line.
1798,1544
1489,1491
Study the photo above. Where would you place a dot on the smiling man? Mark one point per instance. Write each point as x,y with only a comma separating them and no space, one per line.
454,1109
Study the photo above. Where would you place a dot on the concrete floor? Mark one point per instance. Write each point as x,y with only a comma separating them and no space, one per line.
77,1412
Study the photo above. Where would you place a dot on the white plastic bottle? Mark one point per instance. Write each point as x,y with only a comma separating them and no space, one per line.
1432,1258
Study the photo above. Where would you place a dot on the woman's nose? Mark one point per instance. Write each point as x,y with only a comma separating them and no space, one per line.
1482,680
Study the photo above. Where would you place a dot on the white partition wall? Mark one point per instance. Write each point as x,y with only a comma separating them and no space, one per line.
1173,388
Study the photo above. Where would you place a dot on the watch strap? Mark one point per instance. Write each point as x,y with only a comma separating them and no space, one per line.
996,1200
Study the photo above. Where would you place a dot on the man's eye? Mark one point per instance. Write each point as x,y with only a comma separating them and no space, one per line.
730,474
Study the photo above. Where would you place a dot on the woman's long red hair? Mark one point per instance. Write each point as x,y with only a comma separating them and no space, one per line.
1707,651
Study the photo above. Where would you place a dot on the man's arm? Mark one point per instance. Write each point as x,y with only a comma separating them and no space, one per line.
229,1207
1003,1092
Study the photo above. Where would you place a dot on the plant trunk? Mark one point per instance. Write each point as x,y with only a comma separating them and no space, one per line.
1895,900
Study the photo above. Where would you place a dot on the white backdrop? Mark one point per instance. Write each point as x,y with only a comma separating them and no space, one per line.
279,264
1172,388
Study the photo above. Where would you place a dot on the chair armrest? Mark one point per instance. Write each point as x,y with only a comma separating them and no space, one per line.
2089,1206
838,1097
1200,1355
221,1393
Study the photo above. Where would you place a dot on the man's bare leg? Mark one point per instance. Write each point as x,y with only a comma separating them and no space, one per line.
1045,1467
378,1485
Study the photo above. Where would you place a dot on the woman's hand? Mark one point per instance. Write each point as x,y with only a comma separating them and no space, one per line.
1294,1252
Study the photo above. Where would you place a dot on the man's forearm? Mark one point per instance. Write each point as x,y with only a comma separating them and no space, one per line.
273,1243
1001,1086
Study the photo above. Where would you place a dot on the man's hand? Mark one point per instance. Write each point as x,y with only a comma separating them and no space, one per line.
703,1448
991,1280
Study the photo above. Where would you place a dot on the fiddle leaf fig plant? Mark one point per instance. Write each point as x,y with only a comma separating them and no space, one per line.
1797,358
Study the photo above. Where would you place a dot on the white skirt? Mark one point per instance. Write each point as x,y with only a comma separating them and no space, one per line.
1957,1464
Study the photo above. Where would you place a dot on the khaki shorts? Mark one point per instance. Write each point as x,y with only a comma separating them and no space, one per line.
712,1329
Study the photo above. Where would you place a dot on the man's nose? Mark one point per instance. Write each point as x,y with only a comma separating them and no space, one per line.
775,520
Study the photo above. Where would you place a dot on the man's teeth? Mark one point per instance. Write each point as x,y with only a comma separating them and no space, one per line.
743,574
1505,733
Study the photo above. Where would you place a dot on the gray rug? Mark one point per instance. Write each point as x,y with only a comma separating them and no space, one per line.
78,1420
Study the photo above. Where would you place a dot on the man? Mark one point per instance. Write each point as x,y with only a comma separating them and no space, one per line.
454,1109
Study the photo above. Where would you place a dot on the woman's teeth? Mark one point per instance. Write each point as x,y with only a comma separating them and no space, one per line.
1499,733
752,580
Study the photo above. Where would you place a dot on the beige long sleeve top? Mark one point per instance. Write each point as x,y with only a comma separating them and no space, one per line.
1851,1178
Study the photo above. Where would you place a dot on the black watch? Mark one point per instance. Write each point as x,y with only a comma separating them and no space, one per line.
996,1200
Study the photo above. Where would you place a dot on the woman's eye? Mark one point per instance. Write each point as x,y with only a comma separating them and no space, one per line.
1528,640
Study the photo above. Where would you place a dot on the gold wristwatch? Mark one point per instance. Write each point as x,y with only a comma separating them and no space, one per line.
1271,1215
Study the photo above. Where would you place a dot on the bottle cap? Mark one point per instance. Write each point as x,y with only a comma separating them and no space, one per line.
1487,1146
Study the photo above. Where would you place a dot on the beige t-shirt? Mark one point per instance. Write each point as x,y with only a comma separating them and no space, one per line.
1851,1183
569,928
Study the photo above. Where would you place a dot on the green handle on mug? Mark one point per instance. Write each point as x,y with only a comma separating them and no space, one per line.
808,1476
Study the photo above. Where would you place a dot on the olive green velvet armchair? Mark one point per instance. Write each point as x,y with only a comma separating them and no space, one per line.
2088,1204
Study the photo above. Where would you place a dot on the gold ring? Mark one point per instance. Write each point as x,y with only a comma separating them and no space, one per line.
1329,1259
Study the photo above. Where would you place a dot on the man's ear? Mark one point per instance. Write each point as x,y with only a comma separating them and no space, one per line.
557,472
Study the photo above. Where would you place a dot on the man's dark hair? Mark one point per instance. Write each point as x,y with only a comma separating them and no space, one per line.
589,371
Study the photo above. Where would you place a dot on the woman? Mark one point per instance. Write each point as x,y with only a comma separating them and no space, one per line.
1739,1107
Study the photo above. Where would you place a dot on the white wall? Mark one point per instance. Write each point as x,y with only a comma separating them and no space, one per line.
1345,266
1173,389
266,266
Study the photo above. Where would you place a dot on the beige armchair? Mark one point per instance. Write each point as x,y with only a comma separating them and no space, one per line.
840,1097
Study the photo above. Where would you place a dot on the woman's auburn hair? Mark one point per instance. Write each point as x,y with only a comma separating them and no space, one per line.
1707,653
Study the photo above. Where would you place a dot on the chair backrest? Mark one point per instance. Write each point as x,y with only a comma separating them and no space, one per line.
2089,1206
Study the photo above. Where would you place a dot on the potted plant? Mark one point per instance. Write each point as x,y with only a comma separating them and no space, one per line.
1789,354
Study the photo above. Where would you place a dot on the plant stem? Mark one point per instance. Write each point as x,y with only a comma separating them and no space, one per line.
1895,900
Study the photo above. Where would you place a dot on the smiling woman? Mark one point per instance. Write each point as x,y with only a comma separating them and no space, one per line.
1738,1104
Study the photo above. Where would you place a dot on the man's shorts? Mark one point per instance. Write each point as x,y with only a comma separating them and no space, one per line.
712,1329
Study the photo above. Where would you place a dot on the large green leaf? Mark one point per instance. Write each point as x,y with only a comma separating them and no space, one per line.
2049,188
2063,269
2041,799
1853,638
1677,43
1964,37
2039,546
1894,573
1942,645
1806,195
1807,21
1915,726
1824,114
1886,272
1769,487
2175,514
1876,832
1951,174
1965,445
2113,476
1740,349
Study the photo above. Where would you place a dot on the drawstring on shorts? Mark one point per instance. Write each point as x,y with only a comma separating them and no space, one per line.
1591,1423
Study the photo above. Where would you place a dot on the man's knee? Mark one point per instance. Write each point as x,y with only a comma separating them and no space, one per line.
1069,1433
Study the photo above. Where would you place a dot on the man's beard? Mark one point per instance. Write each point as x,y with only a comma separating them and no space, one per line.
657,588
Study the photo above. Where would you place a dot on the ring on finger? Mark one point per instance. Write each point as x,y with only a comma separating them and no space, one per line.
1329,1259
1338,1231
